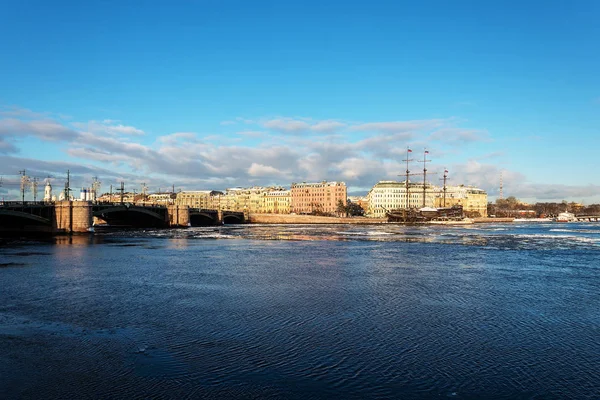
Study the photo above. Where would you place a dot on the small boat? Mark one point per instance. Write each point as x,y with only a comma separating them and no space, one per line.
566,217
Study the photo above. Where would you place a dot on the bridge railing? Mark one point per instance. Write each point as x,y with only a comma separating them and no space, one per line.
23,204
127,204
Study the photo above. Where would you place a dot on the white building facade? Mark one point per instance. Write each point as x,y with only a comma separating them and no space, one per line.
386,196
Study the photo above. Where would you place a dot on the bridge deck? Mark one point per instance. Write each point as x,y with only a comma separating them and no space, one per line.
590,218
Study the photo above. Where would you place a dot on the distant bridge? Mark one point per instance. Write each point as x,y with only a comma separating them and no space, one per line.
588,218
157,216
81,216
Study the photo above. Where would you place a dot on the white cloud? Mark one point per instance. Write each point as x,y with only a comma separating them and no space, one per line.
125,130
286,125
327,126
22,113
358,153
43,129
302,125
96,155
554,192
177,137
459,136
260,170
6,147
254,134
107,127
398,126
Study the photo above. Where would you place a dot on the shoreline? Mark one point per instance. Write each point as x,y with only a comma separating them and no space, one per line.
314,220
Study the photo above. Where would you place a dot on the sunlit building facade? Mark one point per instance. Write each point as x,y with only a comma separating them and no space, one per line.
386,196
276,202
473,200
204,199
322,197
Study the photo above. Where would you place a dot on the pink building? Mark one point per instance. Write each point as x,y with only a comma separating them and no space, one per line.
323,197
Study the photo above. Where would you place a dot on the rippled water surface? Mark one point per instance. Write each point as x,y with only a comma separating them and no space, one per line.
334,311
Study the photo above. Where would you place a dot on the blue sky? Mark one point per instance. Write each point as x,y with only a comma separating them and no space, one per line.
214,94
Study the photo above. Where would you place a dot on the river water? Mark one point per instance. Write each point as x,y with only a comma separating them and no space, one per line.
299,312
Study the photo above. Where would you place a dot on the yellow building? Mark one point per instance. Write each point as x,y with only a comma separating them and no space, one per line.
205,199
250,200
473,200
276,202
253,200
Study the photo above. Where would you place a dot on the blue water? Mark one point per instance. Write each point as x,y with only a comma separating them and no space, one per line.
334,311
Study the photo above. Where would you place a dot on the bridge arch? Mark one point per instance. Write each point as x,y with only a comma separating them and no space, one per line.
202,219
233,218
26,216
131,216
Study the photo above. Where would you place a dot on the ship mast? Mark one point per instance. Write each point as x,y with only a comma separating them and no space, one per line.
425,160
445,178
408,150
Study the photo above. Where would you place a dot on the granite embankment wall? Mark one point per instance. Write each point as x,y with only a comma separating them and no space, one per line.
310,219
492,220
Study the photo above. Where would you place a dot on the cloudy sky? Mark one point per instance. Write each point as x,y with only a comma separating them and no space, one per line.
217,94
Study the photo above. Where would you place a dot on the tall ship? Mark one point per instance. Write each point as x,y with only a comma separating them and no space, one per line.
419,200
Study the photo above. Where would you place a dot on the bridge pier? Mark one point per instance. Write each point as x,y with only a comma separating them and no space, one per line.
178,215
72,216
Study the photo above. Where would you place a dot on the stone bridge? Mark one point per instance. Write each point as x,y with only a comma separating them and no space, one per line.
151,216
81,216
588,218
131,215
203,217
39,217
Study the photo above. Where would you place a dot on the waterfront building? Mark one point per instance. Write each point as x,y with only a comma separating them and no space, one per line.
204,199
108,198
226,201
276,202
253,200
473,200
386,196
323,197
164,198
243,199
